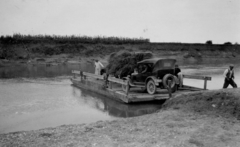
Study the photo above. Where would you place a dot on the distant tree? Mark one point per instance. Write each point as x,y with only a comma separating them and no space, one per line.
227,43
209,42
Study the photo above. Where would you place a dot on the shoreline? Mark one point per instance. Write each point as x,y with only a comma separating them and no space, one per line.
63,59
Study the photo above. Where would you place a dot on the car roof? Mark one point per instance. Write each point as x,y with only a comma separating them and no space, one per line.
153,60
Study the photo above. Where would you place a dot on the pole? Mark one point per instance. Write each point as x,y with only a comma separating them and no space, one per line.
81,74
205,83
169,88
110,84
127,87
74,75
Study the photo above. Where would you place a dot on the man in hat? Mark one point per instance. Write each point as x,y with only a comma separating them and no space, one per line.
229,77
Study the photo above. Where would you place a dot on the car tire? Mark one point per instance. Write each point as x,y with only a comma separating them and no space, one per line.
151,87
173,82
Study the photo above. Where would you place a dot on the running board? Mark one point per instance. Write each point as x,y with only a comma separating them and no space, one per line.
134,85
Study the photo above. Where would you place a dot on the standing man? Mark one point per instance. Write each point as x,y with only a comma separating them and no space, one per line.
229,77
179,75
98,66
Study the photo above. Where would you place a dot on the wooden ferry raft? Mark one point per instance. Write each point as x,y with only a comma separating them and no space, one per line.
112,88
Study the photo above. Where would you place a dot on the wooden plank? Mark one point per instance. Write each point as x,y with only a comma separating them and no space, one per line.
186,87
87,74
111,79
92,75
119,81
197,77
75,72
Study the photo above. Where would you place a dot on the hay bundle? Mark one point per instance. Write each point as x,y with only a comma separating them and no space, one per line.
122,63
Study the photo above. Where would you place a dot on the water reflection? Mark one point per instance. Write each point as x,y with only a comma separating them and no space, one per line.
29,104
116,108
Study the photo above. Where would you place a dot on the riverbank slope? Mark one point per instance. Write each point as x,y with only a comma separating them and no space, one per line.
17,50
207,118
62,53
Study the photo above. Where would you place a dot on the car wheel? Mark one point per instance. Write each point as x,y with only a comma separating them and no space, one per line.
151,87
166,79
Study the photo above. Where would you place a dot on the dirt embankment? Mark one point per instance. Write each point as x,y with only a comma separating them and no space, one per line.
209,118
224,103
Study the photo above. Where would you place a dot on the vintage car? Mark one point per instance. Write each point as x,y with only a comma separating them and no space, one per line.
152,74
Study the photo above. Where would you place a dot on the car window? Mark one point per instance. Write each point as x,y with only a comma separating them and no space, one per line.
167,64
164,64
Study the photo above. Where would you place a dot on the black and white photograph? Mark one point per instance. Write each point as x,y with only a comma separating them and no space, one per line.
119,73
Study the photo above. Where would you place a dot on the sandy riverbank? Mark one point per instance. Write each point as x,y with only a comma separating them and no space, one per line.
209,118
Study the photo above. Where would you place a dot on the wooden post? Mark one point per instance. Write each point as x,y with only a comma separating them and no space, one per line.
110,85
105,78
205,83
81,74
169,88
127,87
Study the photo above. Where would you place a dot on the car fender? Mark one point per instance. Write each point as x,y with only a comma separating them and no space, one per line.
156,81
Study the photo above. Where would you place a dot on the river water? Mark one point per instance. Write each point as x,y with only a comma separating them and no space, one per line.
35,97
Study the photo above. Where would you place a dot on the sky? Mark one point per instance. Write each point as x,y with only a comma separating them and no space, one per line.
186,21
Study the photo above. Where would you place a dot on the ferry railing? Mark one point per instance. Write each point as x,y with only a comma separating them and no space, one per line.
205,78
110,80
83,75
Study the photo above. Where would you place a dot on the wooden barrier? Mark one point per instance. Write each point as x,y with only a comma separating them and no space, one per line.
109,79
205,78
119,81
86,74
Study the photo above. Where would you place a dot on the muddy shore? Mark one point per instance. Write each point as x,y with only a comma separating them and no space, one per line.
209,118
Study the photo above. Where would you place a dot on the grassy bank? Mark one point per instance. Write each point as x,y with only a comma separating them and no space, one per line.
27,47
207,118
